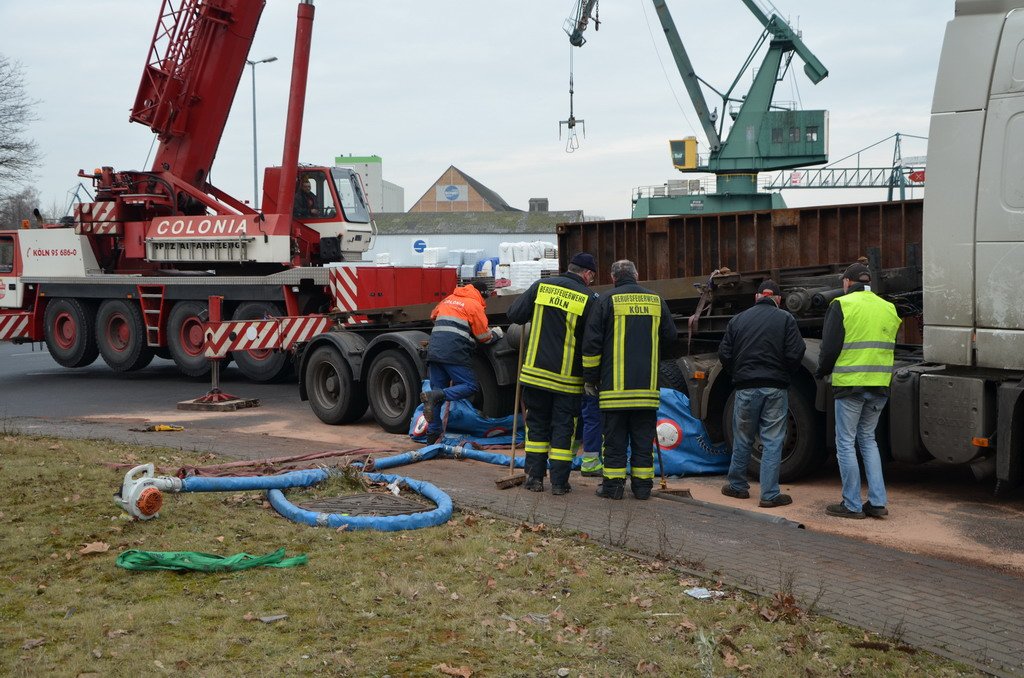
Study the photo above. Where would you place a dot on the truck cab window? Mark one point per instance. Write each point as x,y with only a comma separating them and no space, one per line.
350,193
313,199
6,254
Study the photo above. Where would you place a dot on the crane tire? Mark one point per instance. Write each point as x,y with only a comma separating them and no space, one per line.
121,335
69,332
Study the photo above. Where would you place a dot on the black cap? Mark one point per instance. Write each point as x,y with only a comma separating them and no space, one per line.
769,288
584,260
858,273
480,286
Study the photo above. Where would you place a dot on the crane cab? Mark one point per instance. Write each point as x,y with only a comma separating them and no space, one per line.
331,202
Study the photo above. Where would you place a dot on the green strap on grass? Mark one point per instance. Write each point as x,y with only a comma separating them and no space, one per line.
185,561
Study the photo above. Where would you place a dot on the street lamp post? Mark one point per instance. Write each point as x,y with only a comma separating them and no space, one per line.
255,161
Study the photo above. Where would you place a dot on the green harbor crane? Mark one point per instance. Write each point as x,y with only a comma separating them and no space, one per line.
764,136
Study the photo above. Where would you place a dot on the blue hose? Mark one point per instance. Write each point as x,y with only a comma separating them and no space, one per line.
274,484
411,521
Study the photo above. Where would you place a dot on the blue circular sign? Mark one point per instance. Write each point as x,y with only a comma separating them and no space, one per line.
451,192
419,246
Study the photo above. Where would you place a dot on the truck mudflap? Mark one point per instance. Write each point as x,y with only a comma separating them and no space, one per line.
1010,436
905,442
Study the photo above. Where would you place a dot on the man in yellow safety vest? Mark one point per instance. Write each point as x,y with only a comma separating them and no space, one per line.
857,345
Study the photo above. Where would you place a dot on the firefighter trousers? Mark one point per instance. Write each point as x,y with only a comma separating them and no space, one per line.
550,425
637,428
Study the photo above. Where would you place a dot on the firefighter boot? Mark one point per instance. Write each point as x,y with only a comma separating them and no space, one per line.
432,403
611,489
534,483
641,489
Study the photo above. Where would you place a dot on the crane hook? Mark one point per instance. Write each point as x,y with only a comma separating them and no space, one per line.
572,141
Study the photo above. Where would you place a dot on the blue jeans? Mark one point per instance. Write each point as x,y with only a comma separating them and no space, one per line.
462,380
856,418
758,411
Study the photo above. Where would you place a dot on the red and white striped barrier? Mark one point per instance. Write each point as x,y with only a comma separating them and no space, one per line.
255,335
15,326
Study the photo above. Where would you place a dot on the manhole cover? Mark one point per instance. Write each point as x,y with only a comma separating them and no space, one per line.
369,504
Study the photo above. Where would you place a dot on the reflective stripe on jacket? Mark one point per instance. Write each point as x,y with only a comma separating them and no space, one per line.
622,345
870,324
557,309
459,322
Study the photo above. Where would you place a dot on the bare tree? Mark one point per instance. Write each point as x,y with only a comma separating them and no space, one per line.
18,154
18,206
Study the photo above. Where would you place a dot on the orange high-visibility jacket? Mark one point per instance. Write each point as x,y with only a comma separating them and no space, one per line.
459,322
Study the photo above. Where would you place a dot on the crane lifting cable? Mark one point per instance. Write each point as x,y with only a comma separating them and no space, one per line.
572,140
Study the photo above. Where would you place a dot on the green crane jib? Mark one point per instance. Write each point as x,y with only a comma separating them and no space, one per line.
763,136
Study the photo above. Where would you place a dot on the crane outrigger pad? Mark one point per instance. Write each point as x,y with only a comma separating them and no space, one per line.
218,401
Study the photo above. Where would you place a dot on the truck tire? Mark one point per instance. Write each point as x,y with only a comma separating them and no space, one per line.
804,450
185,338
121,336
670,375
491,399
69,331
393,388
334,396
261,366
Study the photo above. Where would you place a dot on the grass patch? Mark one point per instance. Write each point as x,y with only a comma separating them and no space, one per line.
478,596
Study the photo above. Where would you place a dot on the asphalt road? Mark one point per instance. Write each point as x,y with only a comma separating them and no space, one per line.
33,385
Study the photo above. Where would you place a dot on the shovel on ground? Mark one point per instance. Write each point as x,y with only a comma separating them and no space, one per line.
514,478
664,488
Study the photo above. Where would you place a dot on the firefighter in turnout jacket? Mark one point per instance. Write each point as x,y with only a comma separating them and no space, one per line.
459,323
620,358
557,309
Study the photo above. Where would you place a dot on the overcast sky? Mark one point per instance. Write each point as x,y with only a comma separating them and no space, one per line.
479,85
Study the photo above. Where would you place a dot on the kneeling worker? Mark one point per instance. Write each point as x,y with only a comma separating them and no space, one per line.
459,323
620,358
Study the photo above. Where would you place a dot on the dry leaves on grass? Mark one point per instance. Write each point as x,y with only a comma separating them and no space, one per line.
94,547
33,642
461,671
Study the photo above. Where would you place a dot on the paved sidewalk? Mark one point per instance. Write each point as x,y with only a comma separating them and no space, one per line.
969,613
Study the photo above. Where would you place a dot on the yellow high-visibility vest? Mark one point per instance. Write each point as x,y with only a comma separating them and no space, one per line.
870,324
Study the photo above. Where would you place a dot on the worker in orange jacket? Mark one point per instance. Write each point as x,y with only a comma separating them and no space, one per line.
460,322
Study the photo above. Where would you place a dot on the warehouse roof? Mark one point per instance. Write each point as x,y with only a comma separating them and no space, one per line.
409,223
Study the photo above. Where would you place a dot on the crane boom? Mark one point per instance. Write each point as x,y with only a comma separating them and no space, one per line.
195,63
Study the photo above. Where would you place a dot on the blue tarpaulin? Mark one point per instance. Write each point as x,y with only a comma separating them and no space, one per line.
685,447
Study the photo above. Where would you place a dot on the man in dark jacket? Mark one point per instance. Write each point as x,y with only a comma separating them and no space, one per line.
620,359
557,309
460,322
762,348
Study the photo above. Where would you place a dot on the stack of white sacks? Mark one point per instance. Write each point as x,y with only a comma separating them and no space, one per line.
520,264
435,256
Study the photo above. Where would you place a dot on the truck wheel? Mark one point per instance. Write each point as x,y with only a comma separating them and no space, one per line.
333,396
261,366
393,387
802,453
670,375
185,338
70,332
121,336
492,400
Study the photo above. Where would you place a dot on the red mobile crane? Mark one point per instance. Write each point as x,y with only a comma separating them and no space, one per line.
128,277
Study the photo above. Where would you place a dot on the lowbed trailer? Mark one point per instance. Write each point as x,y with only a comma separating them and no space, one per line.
382,362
